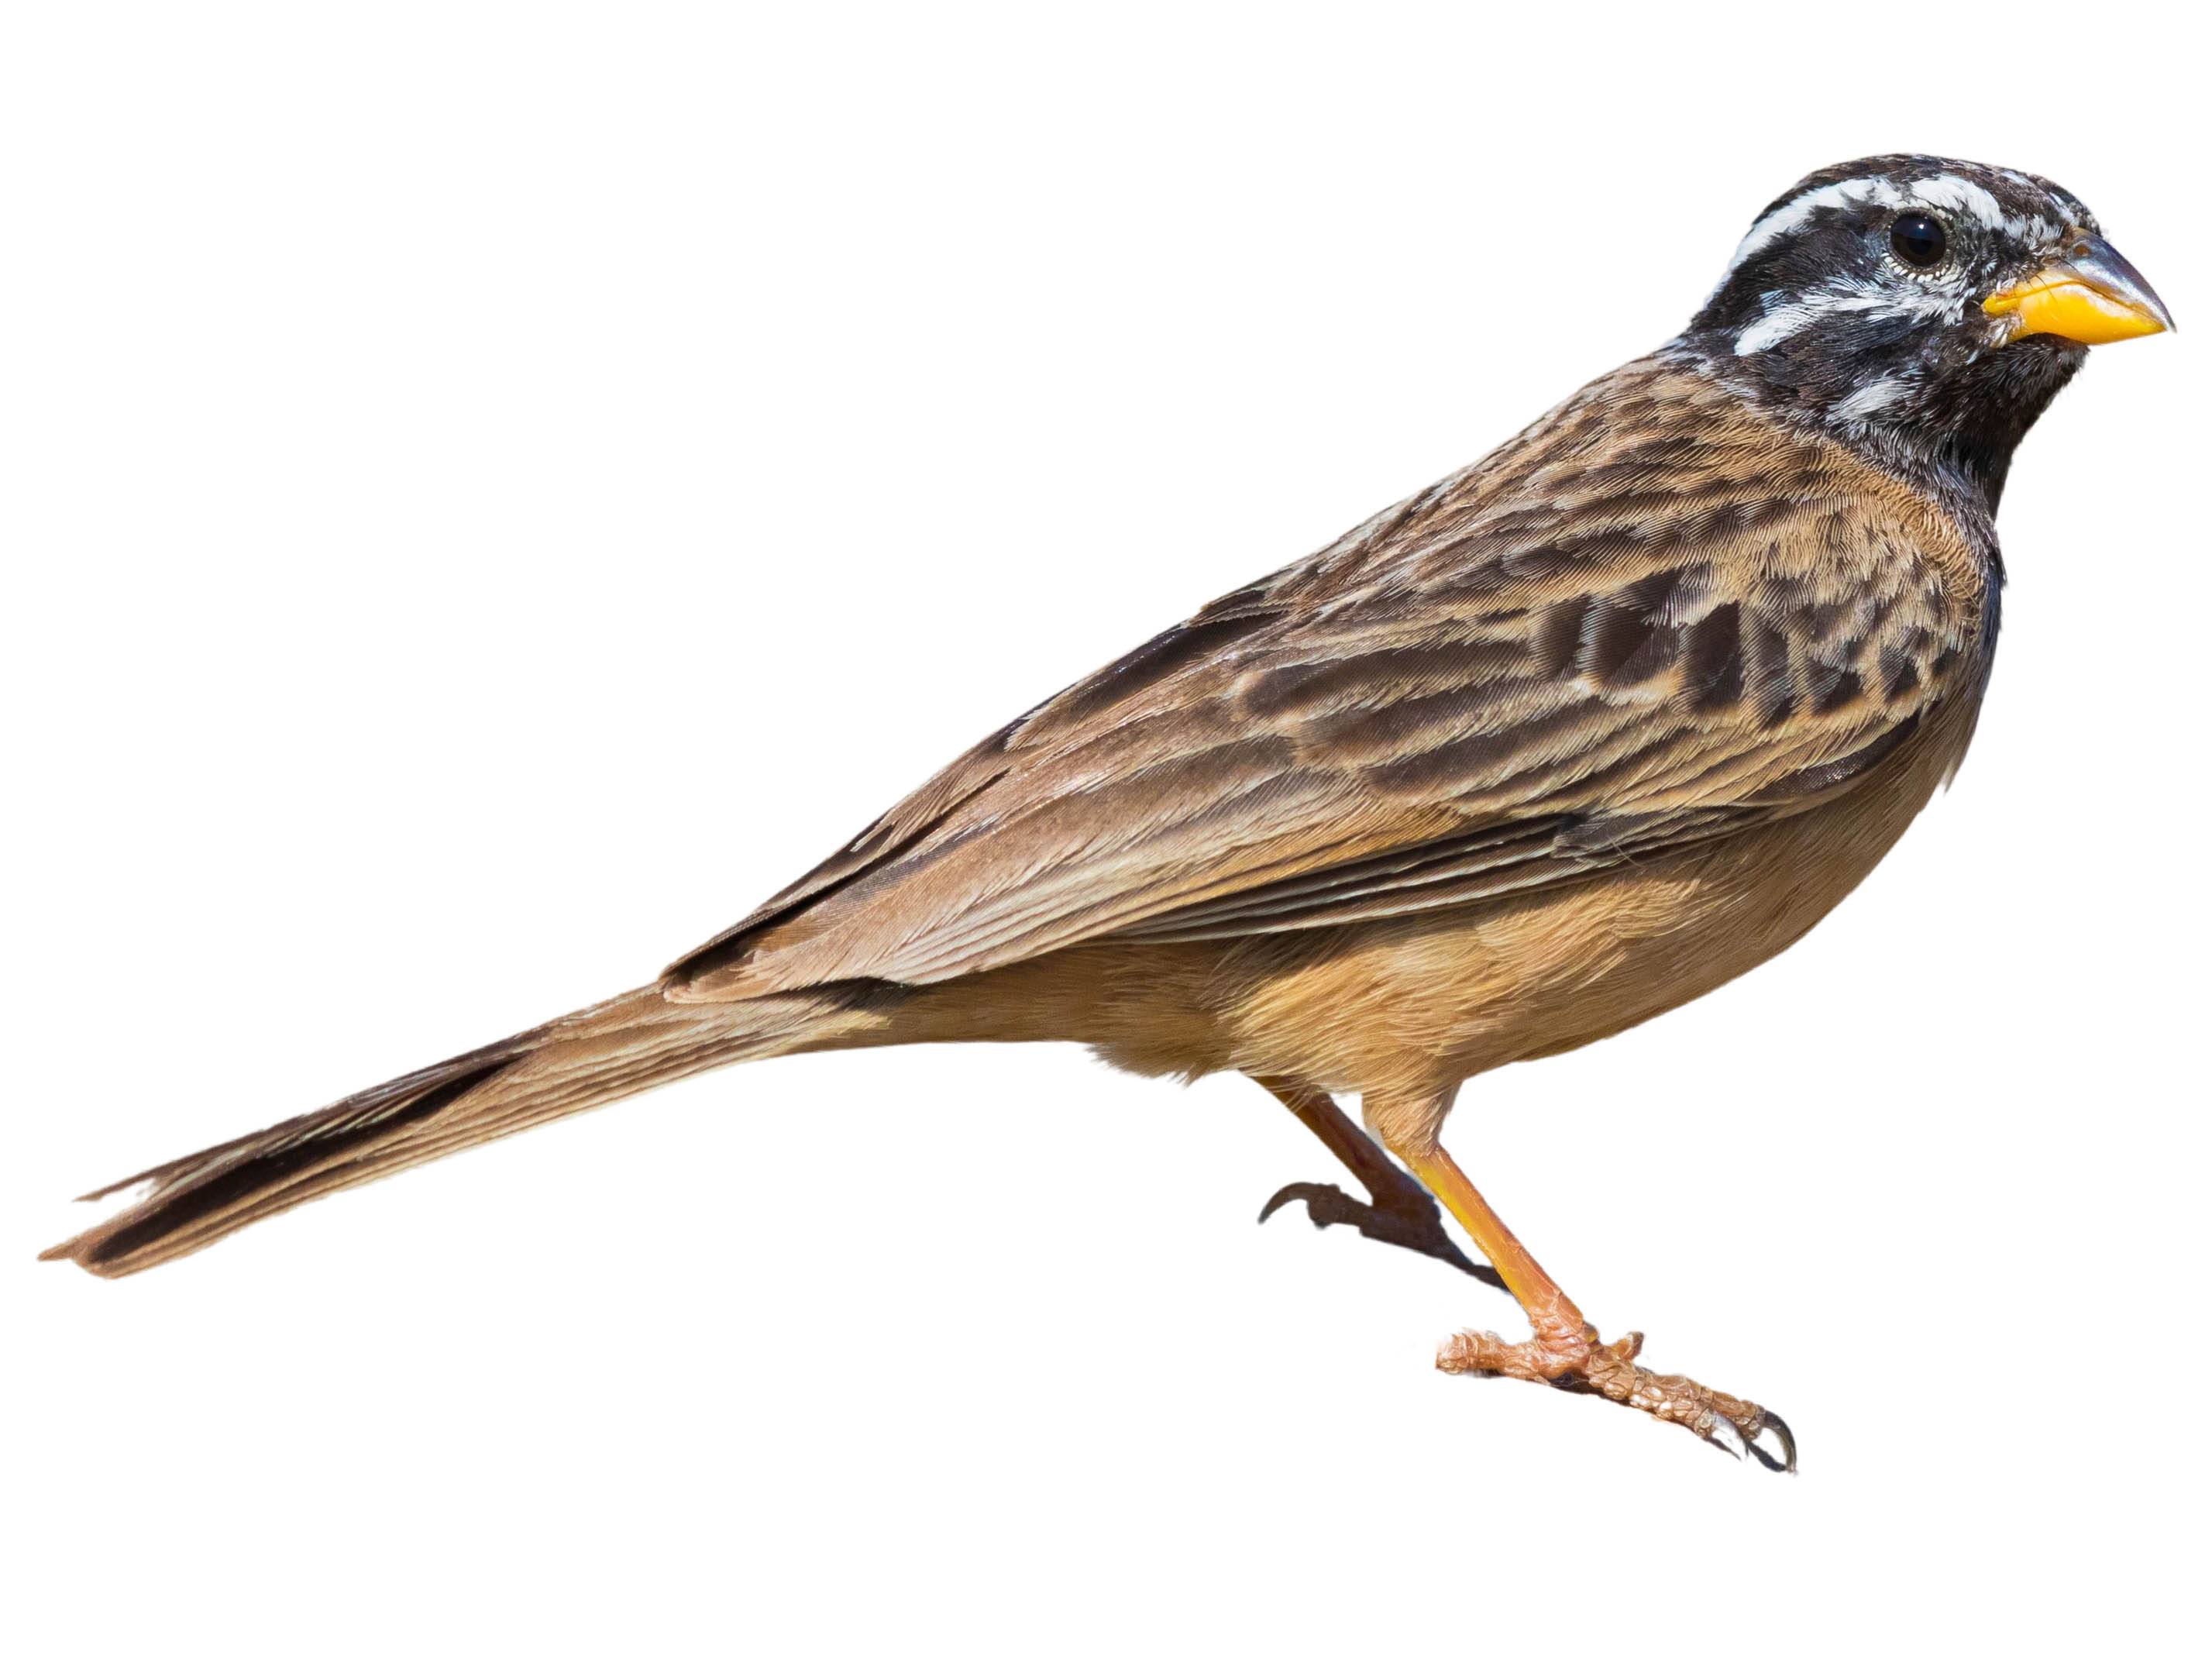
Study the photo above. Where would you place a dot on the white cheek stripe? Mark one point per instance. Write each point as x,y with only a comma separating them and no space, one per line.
1873,398
1787,318
1779,322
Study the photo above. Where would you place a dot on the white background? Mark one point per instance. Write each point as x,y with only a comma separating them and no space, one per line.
491,492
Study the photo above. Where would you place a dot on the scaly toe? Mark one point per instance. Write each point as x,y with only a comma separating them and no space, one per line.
1609,1370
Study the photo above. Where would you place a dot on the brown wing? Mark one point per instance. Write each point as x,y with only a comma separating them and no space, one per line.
1647,621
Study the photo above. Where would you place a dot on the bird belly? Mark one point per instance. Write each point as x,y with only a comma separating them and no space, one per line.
1410,1005
1415,1004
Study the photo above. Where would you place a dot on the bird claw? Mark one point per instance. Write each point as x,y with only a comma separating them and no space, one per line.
1325,1204
1724,1435
1411,1224
1730,1436
1785,1442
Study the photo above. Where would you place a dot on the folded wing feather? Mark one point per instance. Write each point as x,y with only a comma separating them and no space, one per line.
1601,643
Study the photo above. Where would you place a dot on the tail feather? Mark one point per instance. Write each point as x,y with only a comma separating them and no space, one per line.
598,1055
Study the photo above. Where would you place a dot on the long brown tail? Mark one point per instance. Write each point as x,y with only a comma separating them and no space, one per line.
595,1055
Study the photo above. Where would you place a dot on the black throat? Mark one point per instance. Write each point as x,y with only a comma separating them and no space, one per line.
1953,429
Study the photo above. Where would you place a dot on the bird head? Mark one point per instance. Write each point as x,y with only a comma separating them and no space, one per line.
1922,306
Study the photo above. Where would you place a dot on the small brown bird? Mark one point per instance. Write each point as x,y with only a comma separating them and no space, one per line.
1578,734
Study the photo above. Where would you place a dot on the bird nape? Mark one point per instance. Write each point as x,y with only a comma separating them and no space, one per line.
1579,733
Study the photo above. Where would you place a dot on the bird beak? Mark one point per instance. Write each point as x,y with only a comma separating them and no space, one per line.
2092,296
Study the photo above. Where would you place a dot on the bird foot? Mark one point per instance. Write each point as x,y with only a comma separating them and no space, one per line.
1576,1360
1405,1216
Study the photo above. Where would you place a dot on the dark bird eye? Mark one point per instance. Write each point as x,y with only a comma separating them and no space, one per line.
1917,239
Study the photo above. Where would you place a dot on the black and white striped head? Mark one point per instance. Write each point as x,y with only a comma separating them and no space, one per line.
1911,300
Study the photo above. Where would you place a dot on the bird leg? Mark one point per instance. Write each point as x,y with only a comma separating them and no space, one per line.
1565,1349
1400,1211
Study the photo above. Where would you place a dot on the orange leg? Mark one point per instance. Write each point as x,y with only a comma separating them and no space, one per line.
1565,1349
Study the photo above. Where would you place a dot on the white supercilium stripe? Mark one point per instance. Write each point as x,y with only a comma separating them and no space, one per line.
1963,196
1945,191
1848,192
